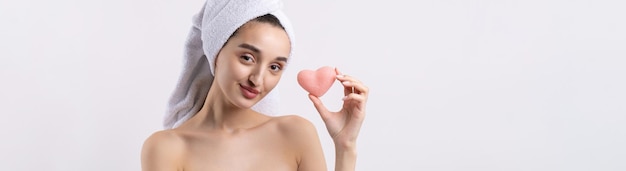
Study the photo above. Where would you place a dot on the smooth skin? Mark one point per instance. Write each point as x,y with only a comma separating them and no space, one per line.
227,135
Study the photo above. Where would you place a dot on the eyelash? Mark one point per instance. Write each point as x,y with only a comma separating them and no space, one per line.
279,67
247,57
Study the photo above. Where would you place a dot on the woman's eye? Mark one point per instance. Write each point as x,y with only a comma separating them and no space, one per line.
247,58
275,67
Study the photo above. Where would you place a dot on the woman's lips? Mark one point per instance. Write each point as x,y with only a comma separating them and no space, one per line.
248,91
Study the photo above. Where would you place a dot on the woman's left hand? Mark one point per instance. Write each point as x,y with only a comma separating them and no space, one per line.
344,125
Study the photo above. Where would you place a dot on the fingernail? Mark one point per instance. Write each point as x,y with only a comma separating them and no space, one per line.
339,76
344,98
346,82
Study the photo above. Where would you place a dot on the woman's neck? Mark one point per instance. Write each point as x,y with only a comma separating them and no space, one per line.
217,113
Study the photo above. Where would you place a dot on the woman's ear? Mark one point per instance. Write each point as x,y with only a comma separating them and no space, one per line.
215,64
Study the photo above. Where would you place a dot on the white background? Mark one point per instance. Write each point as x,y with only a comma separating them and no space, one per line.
455,85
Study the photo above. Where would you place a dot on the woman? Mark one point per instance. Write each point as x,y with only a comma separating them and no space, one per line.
225,133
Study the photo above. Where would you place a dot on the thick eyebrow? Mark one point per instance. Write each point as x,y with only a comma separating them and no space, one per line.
280,58
250,47
256,50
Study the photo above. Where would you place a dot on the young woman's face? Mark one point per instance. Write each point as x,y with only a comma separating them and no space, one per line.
251,63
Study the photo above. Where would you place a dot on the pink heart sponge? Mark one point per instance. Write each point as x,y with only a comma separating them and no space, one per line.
317,82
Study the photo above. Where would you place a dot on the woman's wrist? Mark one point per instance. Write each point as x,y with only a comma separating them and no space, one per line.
345,145
345,152
345,156
345,159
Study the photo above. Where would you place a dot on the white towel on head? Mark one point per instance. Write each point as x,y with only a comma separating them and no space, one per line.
211,28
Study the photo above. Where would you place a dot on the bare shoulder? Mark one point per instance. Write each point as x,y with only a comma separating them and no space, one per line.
293,123
168,138
162,149
296,127
302,136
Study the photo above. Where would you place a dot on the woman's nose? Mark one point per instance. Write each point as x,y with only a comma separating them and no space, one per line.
256,77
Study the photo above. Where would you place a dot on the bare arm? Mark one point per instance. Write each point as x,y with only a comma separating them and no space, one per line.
345,158
345,124
162,151
304,141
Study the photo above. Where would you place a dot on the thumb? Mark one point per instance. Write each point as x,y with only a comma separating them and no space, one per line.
319,106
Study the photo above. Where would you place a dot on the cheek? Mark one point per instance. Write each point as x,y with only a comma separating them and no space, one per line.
237,70
226,70
272,81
